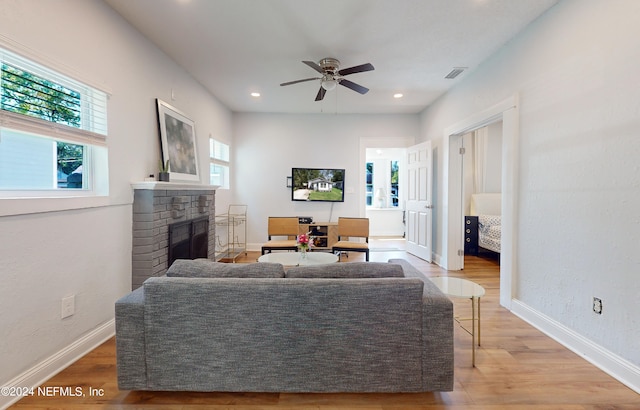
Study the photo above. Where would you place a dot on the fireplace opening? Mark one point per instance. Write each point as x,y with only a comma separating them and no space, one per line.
189,239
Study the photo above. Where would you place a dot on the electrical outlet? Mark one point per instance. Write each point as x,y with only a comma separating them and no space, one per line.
68,306
597,305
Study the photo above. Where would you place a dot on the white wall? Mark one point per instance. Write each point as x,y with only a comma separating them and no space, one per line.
49,255
492,163
267,146
493,175
575,71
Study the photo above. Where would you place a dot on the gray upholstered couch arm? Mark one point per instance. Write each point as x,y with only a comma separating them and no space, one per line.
130,344
437,317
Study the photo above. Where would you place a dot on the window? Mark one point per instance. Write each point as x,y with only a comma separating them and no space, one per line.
384,179
395,190
51,126
219,163
369,183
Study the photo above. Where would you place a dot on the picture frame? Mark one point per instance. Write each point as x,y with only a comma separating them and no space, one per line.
178,141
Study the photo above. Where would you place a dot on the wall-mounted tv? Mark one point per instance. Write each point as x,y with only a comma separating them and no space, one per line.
317,185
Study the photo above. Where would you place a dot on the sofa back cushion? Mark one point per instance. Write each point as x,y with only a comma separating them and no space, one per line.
353,270
204,268
284,334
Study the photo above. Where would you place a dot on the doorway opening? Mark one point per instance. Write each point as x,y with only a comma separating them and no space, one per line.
482,191
385,191
453,209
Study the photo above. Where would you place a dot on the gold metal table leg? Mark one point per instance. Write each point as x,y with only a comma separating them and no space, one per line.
473,332
479,321
474,300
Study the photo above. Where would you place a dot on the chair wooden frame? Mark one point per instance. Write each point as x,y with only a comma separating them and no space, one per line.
352,228
281,226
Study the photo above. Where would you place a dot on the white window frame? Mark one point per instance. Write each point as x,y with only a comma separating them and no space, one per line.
216,158
93,138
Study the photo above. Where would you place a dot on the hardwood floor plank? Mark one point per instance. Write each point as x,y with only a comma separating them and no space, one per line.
517,368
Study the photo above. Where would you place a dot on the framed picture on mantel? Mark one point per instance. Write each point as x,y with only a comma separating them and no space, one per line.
178,140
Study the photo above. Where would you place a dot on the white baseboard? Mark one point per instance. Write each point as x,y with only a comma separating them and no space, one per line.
59,361
437,259
612,364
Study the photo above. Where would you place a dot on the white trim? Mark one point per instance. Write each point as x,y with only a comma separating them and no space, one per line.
622,370
453,239
374,142
59,361
160,185
40,58
46,129
482,118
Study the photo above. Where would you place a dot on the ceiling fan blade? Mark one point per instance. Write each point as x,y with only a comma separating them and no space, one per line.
300,81
314,65
355,87
321,93
356,69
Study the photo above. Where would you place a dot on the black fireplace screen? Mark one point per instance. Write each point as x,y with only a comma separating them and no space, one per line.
189,239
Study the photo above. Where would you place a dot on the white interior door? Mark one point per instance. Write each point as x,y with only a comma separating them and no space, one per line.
419,200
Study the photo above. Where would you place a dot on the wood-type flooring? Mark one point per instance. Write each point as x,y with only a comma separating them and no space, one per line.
517,367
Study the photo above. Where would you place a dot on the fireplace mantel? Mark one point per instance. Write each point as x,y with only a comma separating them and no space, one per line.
159,185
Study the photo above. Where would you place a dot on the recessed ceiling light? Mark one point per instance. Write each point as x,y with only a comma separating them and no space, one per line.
256,95
398,95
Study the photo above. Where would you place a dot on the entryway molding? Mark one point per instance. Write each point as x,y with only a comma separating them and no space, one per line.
453,233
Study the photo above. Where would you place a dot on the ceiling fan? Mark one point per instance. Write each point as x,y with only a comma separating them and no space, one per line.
332,76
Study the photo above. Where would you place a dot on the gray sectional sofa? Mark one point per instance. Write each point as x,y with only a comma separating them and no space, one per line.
344,327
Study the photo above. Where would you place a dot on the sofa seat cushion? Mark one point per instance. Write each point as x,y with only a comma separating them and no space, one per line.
353,270
204,268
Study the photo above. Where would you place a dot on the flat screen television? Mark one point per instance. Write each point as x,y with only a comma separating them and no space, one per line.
317,185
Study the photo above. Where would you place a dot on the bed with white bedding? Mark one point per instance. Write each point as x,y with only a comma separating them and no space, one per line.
487,207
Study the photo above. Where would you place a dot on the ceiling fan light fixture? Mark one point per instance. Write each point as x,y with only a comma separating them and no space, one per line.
332,76
329,84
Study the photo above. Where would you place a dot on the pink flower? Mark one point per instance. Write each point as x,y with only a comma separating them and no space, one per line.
304,241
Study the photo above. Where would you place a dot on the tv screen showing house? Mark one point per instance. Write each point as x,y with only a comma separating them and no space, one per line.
317,184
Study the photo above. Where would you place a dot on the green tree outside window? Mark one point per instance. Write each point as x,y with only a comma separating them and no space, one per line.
28,94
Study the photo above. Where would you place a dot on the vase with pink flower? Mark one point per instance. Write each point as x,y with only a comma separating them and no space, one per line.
304,242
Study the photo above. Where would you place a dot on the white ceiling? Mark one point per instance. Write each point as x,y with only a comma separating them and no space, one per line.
235,47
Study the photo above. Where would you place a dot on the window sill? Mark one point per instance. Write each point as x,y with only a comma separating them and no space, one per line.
25,206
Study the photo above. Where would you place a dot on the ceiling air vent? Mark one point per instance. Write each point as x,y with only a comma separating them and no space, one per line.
455,72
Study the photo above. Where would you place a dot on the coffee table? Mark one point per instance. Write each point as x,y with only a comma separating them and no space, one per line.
296,259
463,288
